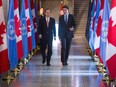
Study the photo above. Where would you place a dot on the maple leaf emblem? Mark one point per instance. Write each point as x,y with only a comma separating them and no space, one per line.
28,25
17,26
2,31
113,11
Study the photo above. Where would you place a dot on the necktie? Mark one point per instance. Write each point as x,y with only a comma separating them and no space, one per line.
47,21
66,20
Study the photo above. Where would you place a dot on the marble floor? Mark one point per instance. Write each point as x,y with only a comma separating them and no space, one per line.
81,71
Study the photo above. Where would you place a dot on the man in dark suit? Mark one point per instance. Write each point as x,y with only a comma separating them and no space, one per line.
47,31
66,30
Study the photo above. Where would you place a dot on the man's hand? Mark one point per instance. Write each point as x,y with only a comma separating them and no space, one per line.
54,38
40,36
72,29
59,38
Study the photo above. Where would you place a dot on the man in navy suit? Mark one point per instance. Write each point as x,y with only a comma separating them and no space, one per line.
66,30
47,32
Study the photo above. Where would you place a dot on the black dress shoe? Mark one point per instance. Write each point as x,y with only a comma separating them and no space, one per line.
43,61
64,64
48,64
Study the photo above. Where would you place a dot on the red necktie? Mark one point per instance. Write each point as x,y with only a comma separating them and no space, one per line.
47,21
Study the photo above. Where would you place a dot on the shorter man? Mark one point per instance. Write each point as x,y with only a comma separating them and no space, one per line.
46,32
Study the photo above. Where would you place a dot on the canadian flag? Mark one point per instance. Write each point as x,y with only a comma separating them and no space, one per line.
34,20
28,25
61,5
111,47
4,62
98,31
18,30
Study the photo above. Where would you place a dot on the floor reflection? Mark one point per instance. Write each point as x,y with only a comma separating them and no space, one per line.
81,71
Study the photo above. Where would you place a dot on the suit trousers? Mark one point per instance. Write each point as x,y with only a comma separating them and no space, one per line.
65,49
46,44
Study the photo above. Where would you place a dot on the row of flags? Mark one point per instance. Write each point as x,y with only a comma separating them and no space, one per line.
102,33
88,20
19,37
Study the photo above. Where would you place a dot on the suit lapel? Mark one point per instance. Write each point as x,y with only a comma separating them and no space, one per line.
68,19
49,21
45,22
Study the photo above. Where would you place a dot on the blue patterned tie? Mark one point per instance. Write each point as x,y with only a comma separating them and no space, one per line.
65,18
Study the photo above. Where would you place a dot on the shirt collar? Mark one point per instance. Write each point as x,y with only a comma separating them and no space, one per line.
66,14
48,18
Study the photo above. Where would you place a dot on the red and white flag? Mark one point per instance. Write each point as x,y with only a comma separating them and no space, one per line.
61,5
28,25
18,30
4,62
111,47
34,21
98,31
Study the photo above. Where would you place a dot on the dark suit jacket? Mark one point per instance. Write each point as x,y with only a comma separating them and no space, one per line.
64,29
47,33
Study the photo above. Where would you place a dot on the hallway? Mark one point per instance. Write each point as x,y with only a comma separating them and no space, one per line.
80,72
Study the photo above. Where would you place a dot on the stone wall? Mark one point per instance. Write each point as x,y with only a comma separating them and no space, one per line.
54,5
5,8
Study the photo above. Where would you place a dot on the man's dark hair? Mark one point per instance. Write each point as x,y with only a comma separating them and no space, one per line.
47,9
65,6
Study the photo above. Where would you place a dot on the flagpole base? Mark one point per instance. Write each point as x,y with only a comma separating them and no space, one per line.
32,53
15,70
20,67
95,56
99,65
25,61
28,58
8,77
96,60
29,55
106,78
38,48
20,64
35,51
88,48
90,53
16,73
101,68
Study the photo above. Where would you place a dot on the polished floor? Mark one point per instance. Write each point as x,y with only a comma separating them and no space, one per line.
80,72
